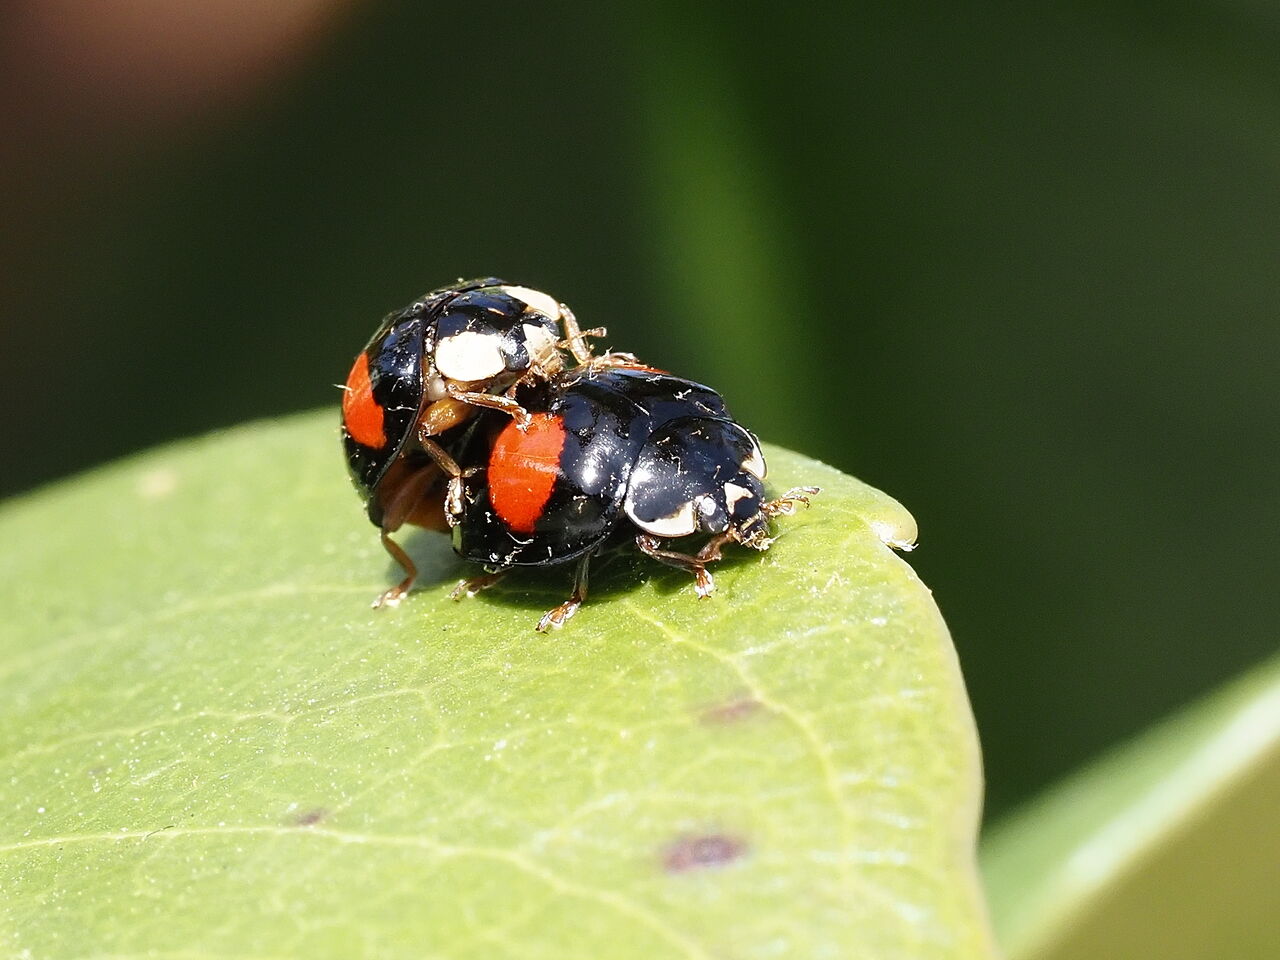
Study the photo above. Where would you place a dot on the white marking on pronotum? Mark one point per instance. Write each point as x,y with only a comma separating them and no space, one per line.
754,464
469,356
733,493
535,299
541,344
680,523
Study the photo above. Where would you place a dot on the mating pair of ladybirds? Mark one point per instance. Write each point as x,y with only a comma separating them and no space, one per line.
480,409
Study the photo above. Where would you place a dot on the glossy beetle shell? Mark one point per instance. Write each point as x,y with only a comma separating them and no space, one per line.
558,490
394,379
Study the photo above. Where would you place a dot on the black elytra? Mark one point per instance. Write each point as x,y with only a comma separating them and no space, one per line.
462,412
613,449
395,377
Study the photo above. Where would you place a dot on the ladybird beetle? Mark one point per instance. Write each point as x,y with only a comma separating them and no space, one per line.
427,370
612,451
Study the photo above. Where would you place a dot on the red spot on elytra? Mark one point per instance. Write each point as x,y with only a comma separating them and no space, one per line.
695,853
523,468
360,412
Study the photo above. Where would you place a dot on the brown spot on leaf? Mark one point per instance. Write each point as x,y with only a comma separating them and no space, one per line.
732,711
696,853
309,818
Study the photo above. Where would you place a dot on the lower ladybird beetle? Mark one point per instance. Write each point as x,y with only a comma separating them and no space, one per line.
610,453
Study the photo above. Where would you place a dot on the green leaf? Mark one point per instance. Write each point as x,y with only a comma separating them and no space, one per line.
214,748
1166,848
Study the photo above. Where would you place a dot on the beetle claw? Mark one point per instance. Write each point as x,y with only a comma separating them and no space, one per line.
473,585
388,598
703,583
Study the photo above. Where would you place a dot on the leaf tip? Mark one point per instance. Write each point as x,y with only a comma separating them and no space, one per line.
897,528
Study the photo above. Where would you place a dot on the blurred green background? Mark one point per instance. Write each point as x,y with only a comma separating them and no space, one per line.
1019,268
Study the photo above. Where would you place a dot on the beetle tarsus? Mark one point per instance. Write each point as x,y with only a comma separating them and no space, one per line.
556,617
785,505
703,583
473,585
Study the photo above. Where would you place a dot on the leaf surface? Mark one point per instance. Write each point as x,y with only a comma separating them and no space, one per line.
1168,847
212,747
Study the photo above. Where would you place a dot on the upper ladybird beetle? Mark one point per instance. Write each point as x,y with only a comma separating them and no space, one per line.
427,370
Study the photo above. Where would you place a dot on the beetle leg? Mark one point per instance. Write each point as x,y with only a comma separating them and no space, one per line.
473,585
393,596
575,337
555,618
492,402
396,511
710,551
785,505
616,358
703,583
754,533
454,494
575,343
